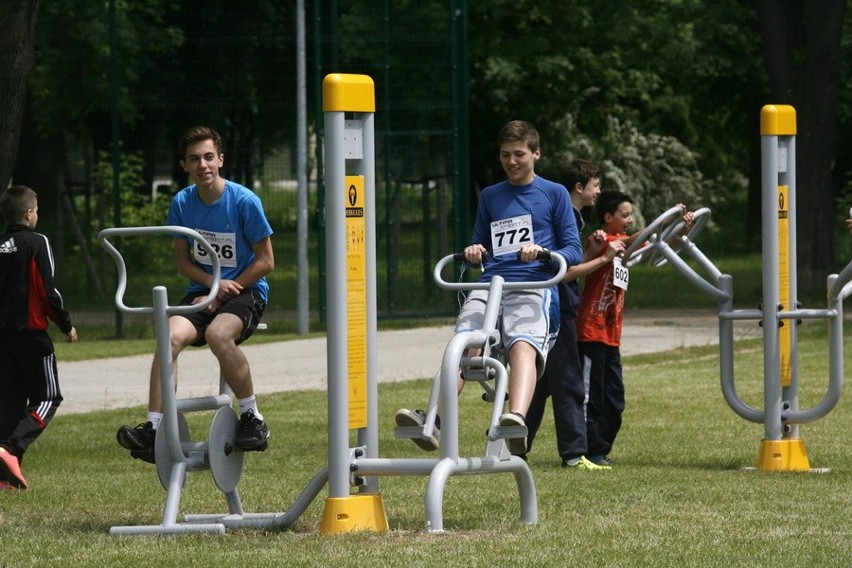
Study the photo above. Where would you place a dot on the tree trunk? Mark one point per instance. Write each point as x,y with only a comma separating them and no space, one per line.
17,23
802,50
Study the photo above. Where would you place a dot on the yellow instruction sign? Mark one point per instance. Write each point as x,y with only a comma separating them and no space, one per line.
784,333
356,301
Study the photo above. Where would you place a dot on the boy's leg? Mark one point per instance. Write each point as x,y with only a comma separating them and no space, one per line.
594,360
539,401
140,439
470,318
530,323
568,393
36,370
614,400
12,401
182,333
235,322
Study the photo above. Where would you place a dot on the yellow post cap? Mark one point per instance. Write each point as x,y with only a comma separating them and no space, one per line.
342,92
777,120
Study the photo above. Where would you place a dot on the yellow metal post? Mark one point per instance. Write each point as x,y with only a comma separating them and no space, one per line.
348,108
777,128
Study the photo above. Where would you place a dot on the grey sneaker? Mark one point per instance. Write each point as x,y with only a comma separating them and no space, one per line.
252,433
517,446
417,418
602,460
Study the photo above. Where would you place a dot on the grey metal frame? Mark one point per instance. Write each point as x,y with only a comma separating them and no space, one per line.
175,454
780,414
496,458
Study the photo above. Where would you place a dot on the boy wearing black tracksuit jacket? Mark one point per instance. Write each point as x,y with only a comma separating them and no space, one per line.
29,387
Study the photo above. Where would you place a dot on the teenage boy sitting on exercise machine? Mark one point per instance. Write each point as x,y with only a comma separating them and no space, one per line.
537,214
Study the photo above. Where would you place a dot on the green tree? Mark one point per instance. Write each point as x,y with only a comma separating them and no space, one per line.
802,47
17,19
655,63
68,117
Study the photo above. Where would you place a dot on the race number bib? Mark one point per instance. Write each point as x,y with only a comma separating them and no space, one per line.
225,245
509,235
620,274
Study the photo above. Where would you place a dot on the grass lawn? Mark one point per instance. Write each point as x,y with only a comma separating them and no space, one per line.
684,491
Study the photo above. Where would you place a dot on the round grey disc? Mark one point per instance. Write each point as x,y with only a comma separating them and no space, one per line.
226,461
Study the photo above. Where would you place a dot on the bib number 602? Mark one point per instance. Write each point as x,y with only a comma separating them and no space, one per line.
620,274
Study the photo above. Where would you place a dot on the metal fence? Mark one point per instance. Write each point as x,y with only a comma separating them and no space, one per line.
416,57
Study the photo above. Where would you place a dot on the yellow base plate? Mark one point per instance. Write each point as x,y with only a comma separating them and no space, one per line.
364,512
783,455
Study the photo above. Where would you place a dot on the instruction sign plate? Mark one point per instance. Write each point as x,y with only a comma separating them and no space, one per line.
356,301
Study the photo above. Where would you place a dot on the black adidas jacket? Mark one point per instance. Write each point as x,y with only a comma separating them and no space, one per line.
28,296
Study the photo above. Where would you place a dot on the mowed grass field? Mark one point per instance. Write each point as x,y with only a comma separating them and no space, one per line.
685,490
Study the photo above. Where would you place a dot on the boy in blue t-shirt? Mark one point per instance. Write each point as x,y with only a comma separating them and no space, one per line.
516,219
231,218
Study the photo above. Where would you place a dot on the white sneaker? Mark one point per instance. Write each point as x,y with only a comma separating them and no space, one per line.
517,446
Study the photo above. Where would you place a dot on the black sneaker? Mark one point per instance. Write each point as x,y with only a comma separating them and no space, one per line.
140,437
252,433
146,455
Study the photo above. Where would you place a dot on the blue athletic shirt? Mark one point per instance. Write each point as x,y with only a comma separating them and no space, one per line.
231,225
502,219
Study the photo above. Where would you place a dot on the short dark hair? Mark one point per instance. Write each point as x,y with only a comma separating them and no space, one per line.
518,130
15,202
195,135
578,171
608,202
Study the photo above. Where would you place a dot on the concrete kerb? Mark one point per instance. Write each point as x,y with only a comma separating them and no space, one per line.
301,364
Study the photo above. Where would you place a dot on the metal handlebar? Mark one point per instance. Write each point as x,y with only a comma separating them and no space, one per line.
451,258
652,229
122,268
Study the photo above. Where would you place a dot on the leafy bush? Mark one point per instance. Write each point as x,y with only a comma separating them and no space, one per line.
656,171
137,209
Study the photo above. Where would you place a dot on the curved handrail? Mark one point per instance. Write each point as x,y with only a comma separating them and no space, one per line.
121,287
667,217
837,288
671,234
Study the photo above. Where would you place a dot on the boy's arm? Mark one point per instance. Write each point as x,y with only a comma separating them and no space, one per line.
187,267
567,235
687,217
263,264
53,305
590,263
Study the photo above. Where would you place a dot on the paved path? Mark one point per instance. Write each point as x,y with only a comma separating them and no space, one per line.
301,364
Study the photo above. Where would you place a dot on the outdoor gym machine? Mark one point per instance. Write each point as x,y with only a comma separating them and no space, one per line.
782,448
352,377
352,363
174,453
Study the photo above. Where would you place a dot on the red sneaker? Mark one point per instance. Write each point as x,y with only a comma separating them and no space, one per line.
10,470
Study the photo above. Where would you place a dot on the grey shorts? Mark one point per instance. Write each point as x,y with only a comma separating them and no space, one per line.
525,315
